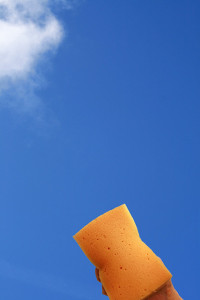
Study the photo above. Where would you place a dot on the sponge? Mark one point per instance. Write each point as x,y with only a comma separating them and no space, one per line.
128,268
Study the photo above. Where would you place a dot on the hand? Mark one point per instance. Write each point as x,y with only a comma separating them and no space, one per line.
98,278
167,292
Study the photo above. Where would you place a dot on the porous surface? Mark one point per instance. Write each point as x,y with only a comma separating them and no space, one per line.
128,268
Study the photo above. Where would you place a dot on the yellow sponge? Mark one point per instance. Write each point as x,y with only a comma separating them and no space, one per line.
128,268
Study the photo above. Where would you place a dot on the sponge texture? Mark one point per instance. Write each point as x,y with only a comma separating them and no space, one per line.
128,268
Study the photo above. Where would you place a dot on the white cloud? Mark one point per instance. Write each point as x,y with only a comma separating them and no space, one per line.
28,29
21,45
28,32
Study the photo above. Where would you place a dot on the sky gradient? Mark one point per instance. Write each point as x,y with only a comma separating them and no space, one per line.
110,115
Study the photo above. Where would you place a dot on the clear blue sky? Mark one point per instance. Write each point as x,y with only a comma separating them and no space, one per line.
121,106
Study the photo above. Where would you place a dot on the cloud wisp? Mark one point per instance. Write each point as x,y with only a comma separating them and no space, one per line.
29,31
43,280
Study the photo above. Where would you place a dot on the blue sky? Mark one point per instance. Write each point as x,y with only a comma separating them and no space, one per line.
103,111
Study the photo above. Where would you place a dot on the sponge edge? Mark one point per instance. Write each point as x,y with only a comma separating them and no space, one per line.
128,268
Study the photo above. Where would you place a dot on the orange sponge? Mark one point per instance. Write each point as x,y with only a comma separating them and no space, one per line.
128,268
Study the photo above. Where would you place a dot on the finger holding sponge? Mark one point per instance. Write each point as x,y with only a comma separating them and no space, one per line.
128,268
